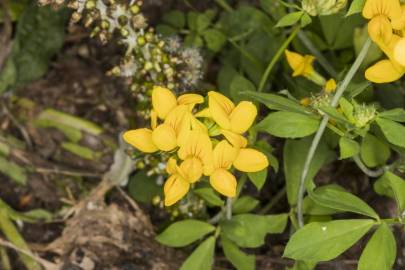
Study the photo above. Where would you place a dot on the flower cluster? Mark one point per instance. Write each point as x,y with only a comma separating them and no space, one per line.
205,142
386,28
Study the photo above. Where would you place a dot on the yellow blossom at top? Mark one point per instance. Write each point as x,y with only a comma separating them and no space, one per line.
330,86
175,129
233,120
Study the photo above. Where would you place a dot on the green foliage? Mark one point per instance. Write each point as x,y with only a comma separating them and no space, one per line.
380,251
374,152
40,35
248,230
184,232
202,258
143,188
258,178
244,204
238,258
348,148
324,241
288,125
209,195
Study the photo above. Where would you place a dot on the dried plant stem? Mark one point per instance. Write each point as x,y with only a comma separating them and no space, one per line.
315,142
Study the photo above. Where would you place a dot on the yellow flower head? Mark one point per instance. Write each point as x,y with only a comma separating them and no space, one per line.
301,65
330,86
233,120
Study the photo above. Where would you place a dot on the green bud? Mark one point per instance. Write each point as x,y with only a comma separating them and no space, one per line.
363,115
148,66
141,40
134,9
90,4
323,7
124,32
105,24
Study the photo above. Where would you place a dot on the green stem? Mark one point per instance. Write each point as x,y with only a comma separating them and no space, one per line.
276,57
366,170
228,208
224,5
12,234
5,261
342,87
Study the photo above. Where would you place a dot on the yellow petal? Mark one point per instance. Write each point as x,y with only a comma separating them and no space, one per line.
163,101
164,137
389,8
174,189
140,139
190,99
384,71
301,65
171,166
204,113
192,168
224,155
250,160
220,109
243,116
198,145
224,182
235,139
153,119
399,23
330,86
380,29
294,59
399,52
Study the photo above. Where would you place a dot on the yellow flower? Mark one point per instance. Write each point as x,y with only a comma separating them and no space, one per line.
176,186
302,66
196,153
245,160
381,13
221,179
306,101
330,86
233,120
178,120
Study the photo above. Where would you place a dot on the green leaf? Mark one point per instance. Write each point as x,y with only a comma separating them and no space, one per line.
301,265
294,153
397,115
342,200
244,204
249,230
276,102
165,30
214,39
202,258
288,125
199,21
290,19
324,241
310,207
39,36
393,131
356,7
240,84
184,232
373,151
392,186
143,188
305,20
258,178
175,18
348,148
239,259
380,252
193,40
209,195
17,173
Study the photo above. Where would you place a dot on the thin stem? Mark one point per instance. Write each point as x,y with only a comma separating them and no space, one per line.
224,5
280,194
366,170
342,87
319,56
276,57
228,208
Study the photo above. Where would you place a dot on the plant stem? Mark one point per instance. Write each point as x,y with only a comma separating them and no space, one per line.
367,171
319,56
342,87
276,57
224,5
228,208
280,194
